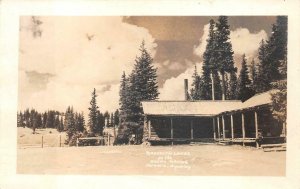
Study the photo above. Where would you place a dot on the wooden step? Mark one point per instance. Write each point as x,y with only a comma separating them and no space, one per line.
273,145
277,149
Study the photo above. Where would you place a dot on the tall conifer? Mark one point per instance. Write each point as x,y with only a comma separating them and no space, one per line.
225,63
210,66
196,86
92,122
244,83
142,83
263,73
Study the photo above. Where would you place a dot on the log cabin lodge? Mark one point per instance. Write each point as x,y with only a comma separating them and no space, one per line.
224,121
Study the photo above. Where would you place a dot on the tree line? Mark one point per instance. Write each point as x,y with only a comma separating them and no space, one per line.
71,122
34,119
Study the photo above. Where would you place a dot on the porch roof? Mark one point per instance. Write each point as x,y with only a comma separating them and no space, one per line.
202,107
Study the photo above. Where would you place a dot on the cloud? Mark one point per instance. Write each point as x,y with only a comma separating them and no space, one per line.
176,66
105,88
173,88
242,41
77,63
199,50
245,42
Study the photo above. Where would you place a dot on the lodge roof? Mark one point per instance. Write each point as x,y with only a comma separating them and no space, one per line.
203,107
258,100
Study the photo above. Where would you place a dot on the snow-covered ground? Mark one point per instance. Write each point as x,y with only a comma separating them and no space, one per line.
153,160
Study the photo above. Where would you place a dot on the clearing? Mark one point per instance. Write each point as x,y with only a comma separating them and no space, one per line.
51,138
204,160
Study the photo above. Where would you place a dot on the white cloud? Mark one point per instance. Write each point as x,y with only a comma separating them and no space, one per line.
79,64
173,88
245,42
199,50
242,41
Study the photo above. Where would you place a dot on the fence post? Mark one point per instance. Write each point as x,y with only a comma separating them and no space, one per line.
42,141
59,140
77,141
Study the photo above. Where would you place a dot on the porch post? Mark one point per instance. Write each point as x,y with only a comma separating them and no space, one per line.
172,130
214,127
284,131
231,121
243,128
149,128
223,125
192,129
146,131
256,128
218,120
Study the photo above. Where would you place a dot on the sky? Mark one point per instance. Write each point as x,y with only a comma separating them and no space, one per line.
62,58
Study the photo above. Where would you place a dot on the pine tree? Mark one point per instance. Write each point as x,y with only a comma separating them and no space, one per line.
277,47
68,111
209,63
224,56
146,74
101,122
116,117
57,123
196,86
253,76
263,75
61,125
227,95
20,122
50,122
143,84
44,121
92,122
79,122
134,98
39,119
124,98
244,83
232,94
106,116
206,93
33,121
279,52
27,117
112,120
217,85
279,101
211,67
32,118
71,127
82,121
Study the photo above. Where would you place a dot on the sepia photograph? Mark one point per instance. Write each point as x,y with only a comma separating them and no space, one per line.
152,95
149,94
